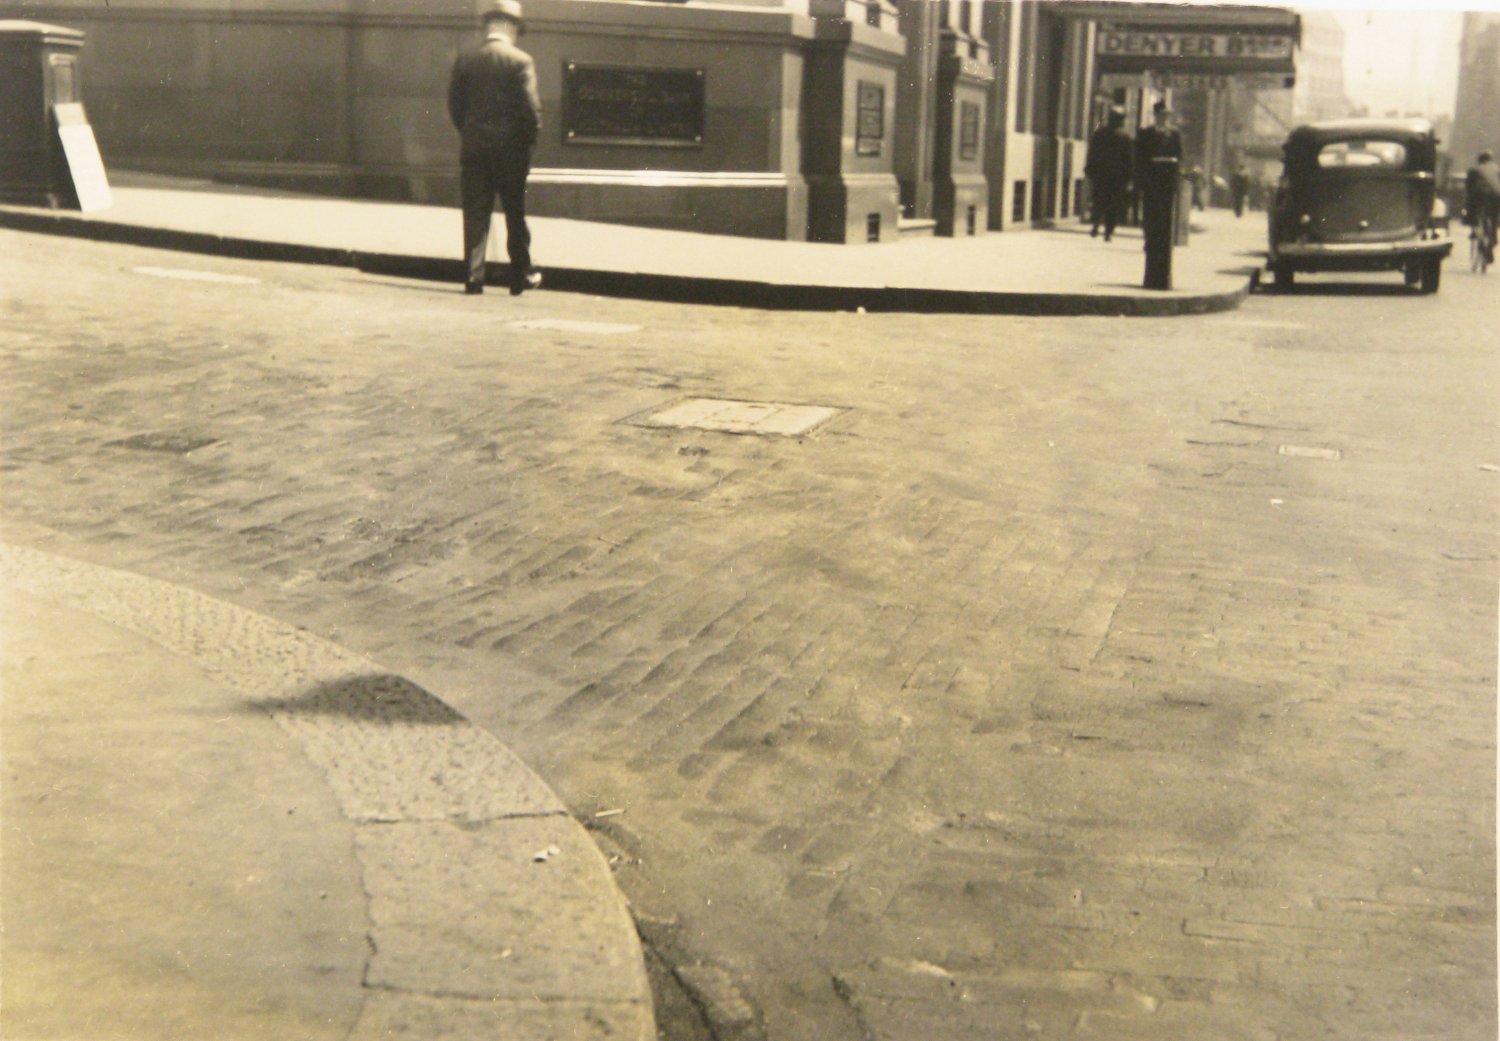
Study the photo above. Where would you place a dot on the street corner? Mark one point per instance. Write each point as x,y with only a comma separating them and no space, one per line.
354,819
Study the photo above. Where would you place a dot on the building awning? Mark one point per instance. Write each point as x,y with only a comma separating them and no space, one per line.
1207,40
1244,16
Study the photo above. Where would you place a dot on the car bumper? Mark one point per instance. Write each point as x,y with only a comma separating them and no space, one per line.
1354,256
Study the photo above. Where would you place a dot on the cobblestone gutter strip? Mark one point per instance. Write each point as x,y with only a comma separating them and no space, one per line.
471,936
645,286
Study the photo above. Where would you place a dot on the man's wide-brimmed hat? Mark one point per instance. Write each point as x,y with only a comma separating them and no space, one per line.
510,9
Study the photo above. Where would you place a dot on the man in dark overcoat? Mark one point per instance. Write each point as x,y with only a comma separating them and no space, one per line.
1239,188
1108,168
492,98
1158,157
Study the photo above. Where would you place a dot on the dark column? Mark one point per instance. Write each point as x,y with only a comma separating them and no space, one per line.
848,97
995,29
960,201
916,105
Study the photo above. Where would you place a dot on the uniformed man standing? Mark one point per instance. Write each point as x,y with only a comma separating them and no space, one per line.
493,100
1158,157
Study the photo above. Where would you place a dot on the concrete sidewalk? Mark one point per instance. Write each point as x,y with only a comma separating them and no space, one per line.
1056,271
218,826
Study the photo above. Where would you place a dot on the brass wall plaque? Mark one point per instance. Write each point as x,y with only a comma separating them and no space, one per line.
632,105
968,130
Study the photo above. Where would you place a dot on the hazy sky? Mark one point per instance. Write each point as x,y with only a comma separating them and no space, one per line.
1400,60
1401,54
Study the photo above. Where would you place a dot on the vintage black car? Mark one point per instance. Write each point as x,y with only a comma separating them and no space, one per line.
1359,195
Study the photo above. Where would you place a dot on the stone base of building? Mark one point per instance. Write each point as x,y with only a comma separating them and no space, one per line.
961,205
853,208
757,205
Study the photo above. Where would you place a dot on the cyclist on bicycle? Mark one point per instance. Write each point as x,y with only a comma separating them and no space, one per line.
1482,199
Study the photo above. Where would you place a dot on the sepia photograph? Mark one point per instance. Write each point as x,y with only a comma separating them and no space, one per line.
749,520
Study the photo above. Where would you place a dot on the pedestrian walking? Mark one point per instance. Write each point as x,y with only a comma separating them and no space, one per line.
1108,169
1158,157
1239,188
1195,182
492,98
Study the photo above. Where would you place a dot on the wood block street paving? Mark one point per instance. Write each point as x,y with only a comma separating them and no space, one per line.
1070,678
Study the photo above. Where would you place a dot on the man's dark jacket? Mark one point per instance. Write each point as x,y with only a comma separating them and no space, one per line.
1109,156
493,99
1151,144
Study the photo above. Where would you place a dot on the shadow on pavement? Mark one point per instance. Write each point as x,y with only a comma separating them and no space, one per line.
1347,289
385,699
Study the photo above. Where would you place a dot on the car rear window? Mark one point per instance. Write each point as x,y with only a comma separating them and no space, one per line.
1363,153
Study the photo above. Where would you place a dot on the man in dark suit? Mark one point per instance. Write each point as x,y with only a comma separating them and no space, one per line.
1158,156
493,100
1108,168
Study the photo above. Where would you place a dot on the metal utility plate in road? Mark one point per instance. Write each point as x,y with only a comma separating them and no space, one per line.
569,325
1304,452
741,417
186,275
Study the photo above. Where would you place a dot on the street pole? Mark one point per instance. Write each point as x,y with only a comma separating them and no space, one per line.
1158,219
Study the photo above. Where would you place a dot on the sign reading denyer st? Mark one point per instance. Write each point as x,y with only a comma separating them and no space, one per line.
1137,49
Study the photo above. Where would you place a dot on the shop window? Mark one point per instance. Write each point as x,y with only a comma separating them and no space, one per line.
1018,202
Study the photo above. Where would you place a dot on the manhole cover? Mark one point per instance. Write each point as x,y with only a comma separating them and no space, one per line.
570,325
740,417
1303,452
175,444
187,275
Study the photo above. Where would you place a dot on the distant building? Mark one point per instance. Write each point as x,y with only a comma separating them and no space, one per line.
1319,93
1476,119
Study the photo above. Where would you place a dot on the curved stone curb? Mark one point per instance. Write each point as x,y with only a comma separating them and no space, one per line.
765,296
471,935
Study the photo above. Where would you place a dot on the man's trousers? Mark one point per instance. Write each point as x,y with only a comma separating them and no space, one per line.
1109,204
483,178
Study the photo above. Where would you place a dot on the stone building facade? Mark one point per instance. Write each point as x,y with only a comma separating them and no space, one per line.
825,120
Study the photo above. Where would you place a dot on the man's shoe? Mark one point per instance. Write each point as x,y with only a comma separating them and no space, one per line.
533,280
473,288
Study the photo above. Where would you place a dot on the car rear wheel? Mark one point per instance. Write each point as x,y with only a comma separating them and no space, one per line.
1412,270
1284,277
1432,274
